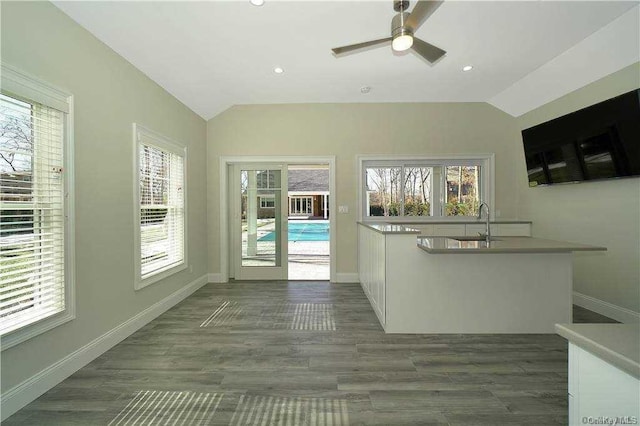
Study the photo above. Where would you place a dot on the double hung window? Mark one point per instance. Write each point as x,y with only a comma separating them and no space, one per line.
161,206
36,244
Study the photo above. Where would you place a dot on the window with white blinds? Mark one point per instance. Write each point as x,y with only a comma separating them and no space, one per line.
161,199
32,213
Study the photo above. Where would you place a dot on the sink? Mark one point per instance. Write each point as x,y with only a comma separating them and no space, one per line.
474,238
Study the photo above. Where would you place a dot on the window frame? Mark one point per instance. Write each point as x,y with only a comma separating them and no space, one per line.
487,184
298,212
266,199
164,143
22,86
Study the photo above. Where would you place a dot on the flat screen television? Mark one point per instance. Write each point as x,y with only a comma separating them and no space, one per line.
598,142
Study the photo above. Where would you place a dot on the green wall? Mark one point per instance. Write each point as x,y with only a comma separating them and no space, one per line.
109,94
605,213
348,130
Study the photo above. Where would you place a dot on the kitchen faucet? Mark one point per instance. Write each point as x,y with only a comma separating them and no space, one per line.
487,233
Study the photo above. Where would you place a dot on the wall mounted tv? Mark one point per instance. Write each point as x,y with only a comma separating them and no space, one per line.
598,142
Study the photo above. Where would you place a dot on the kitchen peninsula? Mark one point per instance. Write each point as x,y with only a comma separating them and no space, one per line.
464,284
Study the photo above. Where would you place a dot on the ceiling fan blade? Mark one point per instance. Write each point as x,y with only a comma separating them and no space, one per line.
421,11
352,48
428,51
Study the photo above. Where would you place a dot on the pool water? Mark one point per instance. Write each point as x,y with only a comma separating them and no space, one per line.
303,232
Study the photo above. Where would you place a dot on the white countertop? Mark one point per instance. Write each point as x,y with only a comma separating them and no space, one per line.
617,344
451,245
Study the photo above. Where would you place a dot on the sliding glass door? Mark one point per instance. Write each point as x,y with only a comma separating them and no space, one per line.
260,221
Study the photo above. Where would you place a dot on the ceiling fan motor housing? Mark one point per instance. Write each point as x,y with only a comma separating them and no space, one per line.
398,27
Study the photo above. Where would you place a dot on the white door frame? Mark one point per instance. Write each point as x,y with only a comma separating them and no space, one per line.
226,161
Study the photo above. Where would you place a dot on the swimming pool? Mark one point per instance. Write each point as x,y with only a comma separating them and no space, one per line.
302,231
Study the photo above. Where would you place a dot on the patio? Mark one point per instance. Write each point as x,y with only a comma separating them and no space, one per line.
307,260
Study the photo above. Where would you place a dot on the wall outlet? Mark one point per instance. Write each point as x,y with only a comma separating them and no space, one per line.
343,209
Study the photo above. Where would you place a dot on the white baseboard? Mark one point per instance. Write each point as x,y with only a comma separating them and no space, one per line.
607,309
27,391
347,278
215,278
340,278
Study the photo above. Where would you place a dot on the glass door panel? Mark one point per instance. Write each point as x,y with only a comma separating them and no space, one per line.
261,222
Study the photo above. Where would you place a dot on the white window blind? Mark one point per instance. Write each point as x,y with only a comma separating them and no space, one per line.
162,210
32,225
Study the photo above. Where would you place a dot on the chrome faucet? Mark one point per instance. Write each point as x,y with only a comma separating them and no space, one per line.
487,233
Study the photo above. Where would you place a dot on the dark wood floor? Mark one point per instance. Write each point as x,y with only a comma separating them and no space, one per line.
307,353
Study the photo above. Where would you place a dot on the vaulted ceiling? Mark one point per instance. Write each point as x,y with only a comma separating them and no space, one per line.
212,55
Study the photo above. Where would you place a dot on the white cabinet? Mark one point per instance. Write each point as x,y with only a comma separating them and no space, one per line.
598,389
372,263
412,291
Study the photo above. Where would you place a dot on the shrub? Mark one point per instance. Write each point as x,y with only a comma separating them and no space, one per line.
455,208
417,209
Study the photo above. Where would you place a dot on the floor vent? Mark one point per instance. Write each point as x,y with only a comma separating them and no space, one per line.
169,408
273,410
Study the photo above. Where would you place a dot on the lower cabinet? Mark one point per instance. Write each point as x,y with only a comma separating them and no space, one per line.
600,393
371,266
376,251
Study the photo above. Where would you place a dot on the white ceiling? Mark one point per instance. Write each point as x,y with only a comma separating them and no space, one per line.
604,52
212,55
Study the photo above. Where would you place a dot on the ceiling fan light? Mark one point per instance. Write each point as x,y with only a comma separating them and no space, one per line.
402,42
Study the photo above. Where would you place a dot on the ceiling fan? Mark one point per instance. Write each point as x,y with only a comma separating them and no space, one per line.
403,26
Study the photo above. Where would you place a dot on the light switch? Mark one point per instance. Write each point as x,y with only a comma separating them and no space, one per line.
343,209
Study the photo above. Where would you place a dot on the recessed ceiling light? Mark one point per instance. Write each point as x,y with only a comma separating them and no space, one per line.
257,2
467,68
278,70
365,89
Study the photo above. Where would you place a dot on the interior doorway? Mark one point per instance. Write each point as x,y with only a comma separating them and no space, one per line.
308,193
278,222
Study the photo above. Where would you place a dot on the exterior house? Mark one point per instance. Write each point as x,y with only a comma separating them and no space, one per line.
308,195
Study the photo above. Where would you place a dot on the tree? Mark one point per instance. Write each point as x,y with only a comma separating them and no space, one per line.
462,190
380,181
16,139
425,184
16,151
386,183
